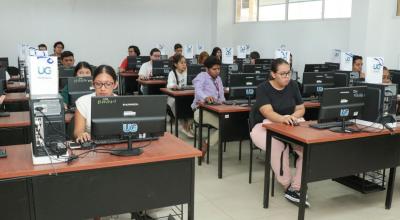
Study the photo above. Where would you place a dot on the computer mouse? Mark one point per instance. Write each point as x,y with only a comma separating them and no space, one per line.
296,123
88,145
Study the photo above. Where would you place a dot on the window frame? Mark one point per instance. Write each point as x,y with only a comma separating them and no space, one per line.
287,15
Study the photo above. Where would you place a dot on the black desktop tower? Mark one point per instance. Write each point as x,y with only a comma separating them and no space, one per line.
380,102
47,127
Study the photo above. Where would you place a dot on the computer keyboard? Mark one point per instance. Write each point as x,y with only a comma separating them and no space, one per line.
120,141
310,99
327,125
239,102
187,88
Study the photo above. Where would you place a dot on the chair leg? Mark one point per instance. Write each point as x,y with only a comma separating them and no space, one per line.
224,146
195,136
273,184
170,126
251,161
240,150
208,142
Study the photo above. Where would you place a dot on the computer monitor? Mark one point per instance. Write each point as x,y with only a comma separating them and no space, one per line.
333,66
128,117
77,87
341,104
342,78
314,83
264,61
3,62
2,110
243,85
316,68
134,63
3,73
63,75
161,68
225,70
192,71
395,78
256,68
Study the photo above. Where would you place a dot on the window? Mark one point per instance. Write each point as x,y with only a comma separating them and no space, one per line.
272,10
337,9
300,9
280,10
246,10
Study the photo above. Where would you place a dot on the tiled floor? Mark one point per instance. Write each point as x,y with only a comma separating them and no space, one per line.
233,198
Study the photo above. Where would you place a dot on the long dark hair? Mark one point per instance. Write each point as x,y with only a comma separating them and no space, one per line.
105,69
175,60
81,65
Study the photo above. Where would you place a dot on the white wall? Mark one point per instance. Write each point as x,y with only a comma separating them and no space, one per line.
309,41
100,31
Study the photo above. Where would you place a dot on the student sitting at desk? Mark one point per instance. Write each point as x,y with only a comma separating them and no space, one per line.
357,66
253,56
146,69
202,57
67,59
217,52
82,69
104,82
386,75
178,49
177,78
42,47
58,49
278,100
208,88
133,51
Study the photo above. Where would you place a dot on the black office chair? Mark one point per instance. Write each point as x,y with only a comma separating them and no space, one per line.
13,71
70,129
172,118
209,127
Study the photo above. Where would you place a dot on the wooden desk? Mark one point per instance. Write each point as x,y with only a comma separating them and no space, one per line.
98,184
128,81
328,155
233,124
14,97
15,129
16,87
183,101
153,85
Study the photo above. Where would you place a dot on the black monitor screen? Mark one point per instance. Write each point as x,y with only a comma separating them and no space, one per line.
3,62
161,68
342,103
140,117
77,87
333,66
243,85
395,77
264,61
2,73
314,83
63,75
227,69
256,68
342,78
134,63
192,71
316,68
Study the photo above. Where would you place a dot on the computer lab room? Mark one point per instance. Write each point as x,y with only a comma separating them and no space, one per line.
200,109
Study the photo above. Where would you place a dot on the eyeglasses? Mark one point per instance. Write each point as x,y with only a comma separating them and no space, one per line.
106,85
287,74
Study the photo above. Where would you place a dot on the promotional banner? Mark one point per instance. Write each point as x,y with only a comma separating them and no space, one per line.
227,55
188,51
241,51
335,58
43,76
284,54
248,49
374,70
346,61
199,48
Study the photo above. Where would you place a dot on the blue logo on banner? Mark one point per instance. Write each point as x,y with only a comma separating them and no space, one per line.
44,70
228,51
344,112
320,89
50,61
378,65
130,128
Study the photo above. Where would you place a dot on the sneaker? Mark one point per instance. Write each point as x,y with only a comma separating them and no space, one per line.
294,196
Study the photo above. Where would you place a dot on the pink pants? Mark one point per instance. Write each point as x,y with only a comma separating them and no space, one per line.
258,136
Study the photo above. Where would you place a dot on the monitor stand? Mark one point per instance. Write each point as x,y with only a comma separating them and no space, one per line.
343,128
129,151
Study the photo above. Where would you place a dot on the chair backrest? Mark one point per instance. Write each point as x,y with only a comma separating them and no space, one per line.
70,129
13,71
251,120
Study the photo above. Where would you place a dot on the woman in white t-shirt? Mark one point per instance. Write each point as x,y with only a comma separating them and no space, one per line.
104,82
177,79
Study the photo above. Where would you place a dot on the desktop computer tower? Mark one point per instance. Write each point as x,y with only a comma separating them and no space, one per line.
47,127
380,102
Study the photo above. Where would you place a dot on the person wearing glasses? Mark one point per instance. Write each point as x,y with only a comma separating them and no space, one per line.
278,100
104,82
208,89
133,51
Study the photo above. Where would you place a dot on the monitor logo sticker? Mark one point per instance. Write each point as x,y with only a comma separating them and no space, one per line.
130,128
344,112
